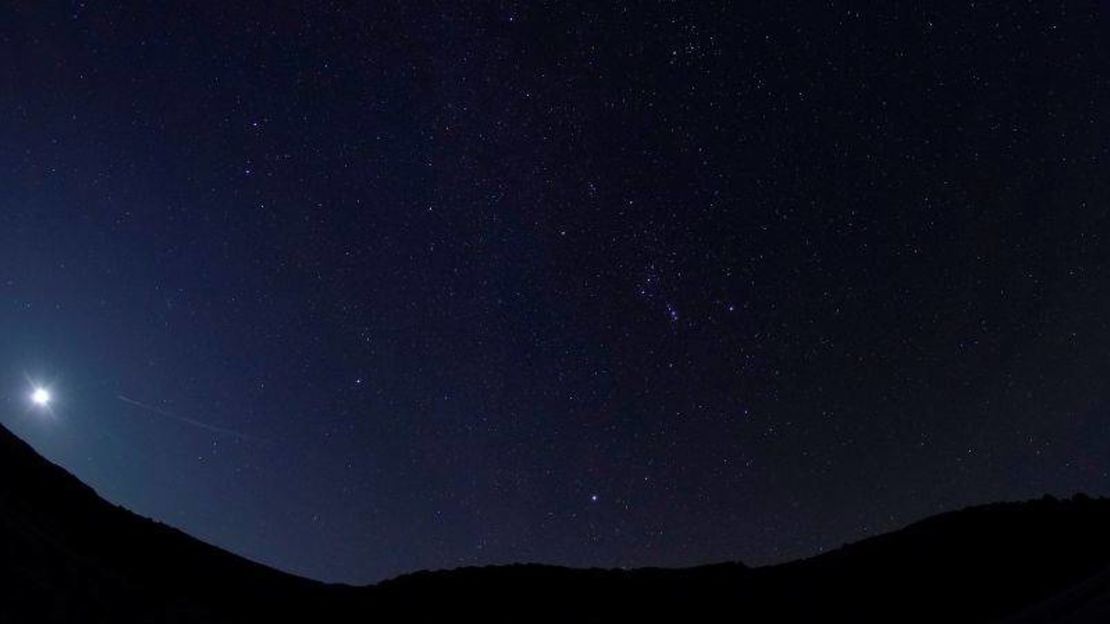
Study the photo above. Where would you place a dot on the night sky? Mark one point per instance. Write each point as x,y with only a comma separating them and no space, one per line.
356,291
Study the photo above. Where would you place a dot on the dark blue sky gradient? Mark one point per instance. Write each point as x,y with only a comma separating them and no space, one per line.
579,283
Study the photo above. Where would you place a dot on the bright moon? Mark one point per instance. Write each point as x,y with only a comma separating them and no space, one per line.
41,396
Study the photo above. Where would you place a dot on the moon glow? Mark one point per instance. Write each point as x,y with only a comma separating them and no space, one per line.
40,397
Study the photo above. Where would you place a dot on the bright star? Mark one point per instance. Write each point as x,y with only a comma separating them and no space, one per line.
40,397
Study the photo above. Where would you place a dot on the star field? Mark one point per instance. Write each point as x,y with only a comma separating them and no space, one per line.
625,284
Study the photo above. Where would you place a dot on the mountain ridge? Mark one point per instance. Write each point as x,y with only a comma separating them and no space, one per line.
68,555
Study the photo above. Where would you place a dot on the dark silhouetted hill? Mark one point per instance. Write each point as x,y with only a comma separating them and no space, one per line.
1029,562
66,555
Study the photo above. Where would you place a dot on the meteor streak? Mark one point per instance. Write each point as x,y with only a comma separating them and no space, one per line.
183,419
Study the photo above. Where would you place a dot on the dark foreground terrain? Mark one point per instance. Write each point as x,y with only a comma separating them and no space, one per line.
66,555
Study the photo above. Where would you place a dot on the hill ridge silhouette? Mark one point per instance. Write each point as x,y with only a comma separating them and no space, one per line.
68,555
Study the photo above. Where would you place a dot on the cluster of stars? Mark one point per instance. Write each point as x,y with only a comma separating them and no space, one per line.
703,269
